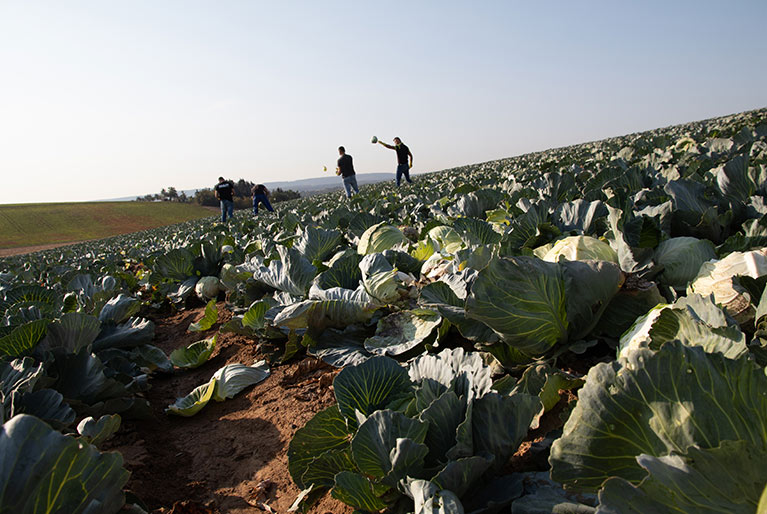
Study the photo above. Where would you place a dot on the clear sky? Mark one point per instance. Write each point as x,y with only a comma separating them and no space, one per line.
103,99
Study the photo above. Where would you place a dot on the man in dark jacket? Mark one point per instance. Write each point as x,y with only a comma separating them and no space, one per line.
223,191
345,169
403,153
260,195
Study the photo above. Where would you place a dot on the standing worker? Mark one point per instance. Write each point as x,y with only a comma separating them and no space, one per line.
345,169
403,153
260,195
223,191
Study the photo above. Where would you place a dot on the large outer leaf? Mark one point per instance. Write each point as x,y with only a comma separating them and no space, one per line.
119,309
462,475
325,432
626,306
729,478
444,415
177,264
441,296
476,232
43,471
334,307
379,278
29,293
19,375
694,320
316,244
23,338
634,238
383,432
655,403
208,319
344,272
46,404
545,381
254,317
681,258
132,333
579,215
370,386
341,348
402,331
233,378
589,287
95,432
194,355
82,377
475,204
73,332
500,423
322,470
356,490
733,179
523,299
193,403
292,273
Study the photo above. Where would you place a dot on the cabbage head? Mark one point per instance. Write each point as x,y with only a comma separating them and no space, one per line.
380,237
581,248
207,288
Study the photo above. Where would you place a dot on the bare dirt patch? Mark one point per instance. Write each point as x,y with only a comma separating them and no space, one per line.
231,456
7,252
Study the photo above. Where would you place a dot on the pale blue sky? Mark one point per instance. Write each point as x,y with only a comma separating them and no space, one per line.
103,99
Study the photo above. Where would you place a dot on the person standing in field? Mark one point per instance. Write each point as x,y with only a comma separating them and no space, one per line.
403,155
260,195
345,169
223,191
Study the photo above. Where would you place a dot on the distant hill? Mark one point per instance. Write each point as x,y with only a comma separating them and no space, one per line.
306,187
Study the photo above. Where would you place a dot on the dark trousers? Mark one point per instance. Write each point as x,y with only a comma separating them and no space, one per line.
261,199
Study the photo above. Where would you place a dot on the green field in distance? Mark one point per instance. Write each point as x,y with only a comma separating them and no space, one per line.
24,225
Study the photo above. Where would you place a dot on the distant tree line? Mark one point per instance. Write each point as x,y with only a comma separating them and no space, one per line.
242,195
166,195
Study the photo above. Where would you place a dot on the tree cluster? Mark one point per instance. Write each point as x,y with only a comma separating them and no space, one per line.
206,197
166,195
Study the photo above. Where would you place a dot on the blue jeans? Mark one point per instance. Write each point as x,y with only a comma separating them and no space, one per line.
227,207
262,199
350,183
403,169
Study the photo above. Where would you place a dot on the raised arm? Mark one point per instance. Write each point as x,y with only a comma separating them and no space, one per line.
390,147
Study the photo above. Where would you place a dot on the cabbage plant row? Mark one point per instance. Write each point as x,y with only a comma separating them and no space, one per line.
605,300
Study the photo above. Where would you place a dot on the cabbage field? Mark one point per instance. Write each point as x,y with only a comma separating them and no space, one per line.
580,330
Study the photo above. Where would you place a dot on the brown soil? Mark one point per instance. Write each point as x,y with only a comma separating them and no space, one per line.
231,456
7,252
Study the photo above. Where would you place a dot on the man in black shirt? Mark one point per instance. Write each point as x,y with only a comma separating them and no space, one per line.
403,152
346,170
260,195
223,191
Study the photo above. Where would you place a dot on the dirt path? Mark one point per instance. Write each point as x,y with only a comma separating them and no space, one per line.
231,456
8,252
